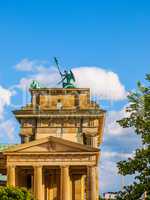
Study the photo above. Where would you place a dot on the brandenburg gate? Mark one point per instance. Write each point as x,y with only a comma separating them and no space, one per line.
60,130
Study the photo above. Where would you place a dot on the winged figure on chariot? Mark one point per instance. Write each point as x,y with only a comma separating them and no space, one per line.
67,77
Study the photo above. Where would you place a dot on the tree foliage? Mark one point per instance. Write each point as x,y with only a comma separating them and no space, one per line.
100,198
14,193
139,165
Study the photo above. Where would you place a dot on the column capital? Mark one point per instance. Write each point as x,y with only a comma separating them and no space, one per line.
92,167
37,166
11,165
64,166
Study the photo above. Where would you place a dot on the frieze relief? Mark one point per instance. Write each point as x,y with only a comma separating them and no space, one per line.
50,160
39,158
58,123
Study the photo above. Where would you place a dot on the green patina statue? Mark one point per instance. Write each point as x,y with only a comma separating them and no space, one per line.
67,78
35,85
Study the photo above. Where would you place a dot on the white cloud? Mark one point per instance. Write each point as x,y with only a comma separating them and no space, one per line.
116,137
5,99
7,129
25,65
119,144
6,125
113,154
109,178
48,77
103,83
112,127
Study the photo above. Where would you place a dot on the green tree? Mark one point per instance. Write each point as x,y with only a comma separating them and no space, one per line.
139,165
14,193
100,198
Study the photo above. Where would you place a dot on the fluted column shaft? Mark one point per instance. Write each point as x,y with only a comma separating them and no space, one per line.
65,183
38,183
11,175
91,178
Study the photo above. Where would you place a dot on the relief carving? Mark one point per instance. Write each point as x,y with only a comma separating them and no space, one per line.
51,146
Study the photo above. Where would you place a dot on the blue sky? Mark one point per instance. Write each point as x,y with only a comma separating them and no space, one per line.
111,35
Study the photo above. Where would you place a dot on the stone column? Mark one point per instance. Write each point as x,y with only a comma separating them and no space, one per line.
65,183
11,175
91,183
34,100
38,183
94,141
82,187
